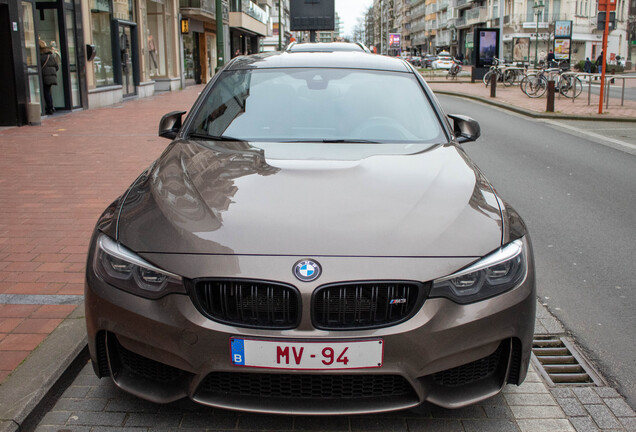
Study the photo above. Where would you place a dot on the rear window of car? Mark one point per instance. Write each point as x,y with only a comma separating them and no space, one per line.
317,105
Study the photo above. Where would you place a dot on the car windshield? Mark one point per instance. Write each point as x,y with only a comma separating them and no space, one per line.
318,105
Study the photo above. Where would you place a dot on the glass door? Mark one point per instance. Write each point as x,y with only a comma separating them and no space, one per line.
126,57
50,38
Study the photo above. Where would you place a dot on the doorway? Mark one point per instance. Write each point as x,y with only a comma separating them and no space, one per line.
56,28
125,49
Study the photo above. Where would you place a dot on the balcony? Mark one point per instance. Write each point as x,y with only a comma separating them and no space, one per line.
462,4
249,8
476,15
248,16
204,10
443,4
442,39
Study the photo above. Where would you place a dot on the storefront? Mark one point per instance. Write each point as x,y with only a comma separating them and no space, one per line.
136,49
29,32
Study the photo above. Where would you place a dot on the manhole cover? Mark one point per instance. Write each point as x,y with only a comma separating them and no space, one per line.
560,363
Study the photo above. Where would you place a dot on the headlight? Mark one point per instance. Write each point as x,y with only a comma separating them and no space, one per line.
496,273
121,268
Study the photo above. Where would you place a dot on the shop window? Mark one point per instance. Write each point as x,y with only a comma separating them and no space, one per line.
30,52
103,62
159,38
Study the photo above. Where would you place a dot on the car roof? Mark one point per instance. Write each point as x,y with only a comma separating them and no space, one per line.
326,46
332,59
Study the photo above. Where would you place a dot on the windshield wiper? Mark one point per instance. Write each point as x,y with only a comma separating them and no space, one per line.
214,137
350,141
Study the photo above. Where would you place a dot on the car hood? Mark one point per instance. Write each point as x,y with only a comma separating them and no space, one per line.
288,199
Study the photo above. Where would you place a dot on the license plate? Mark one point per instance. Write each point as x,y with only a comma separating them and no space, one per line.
301,355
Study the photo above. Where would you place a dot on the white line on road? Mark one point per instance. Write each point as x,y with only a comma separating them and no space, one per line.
591,134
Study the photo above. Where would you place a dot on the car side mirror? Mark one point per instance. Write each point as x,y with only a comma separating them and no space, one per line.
170,124
465,128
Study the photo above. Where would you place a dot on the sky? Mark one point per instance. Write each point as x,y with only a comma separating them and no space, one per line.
350,10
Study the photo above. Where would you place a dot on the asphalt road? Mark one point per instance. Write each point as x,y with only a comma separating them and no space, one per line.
578,198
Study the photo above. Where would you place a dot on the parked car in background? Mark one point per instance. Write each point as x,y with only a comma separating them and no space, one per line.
443,61
427,61
416,61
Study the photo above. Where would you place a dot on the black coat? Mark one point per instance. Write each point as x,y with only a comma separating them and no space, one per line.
49,64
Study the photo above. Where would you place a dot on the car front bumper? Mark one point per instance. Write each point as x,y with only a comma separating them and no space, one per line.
448,354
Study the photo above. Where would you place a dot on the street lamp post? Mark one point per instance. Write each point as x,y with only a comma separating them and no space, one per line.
538,8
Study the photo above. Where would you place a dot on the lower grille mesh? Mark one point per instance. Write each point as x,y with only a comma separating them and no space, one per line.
471,372
306,386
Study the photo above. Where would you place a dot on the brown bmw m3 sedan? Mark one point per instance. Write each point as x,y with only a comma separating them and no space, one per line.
314,240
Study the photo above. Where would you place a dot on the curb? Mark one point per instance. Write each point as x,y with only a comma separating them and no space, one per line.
23,390
535,114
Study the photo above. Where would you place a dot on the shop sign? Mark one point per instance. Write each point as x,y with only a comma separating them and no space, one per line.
185,25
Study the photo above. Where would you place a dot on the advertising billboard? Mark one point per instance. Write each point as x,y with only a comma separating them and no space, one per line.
521,49
563,29
312,15
562,49
487,41
394,39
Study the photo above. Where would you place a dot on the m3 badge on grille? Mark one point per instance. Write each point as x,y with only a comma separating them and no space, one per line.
307,270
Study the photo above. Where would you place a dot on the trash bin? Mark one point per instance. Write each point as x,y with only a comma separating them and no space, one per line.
34,114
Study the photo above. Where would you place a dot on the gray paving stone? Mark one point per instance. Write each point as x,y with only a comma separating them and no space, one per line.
265,422
603,416
469,412
545,425
606,392
526,388
209,421
131,406
76,404
572,407
587,395
537,412
543,399
498,412
321,423
153,420
118,429
619,407
64,429
377,423
562,393
434,425
87,418
55,418
488,425
584,424
87,380
629,423
76,391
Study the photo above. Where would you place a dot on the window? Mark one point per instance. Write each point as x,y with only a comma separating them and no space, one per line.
101,11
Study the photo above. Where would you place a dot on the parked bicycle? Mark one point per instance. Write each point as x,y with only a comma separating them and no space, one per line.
535,84
454,70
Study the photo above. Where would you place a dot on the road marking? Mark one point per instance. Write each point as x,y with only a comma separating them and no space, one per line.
591,134
40,299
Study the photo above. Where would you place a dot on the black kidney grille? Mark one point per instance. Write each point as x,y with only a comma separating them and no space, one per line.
256,304
298,386
471,372
364,305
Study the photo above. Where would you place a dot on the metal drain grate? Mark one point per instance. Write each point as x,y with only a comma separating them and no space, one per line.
559,362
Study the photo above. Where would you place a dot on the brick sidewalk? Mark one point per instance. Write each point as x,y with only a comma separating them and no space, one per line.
56,180
514,96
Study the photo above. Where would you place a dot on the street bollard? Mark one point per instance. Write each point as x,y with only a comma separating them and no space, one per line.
493,85
550,104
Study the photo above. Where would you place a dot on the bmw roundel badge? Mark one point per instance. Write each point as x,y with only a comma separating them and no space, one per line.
307,270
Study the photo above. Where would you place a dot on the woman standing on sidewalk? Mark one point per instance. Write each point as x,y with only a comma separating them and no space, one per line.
49,65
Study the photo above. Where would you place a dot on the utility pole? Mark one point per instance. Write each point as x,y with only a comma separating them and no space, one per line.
608,6
280,29
220,45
